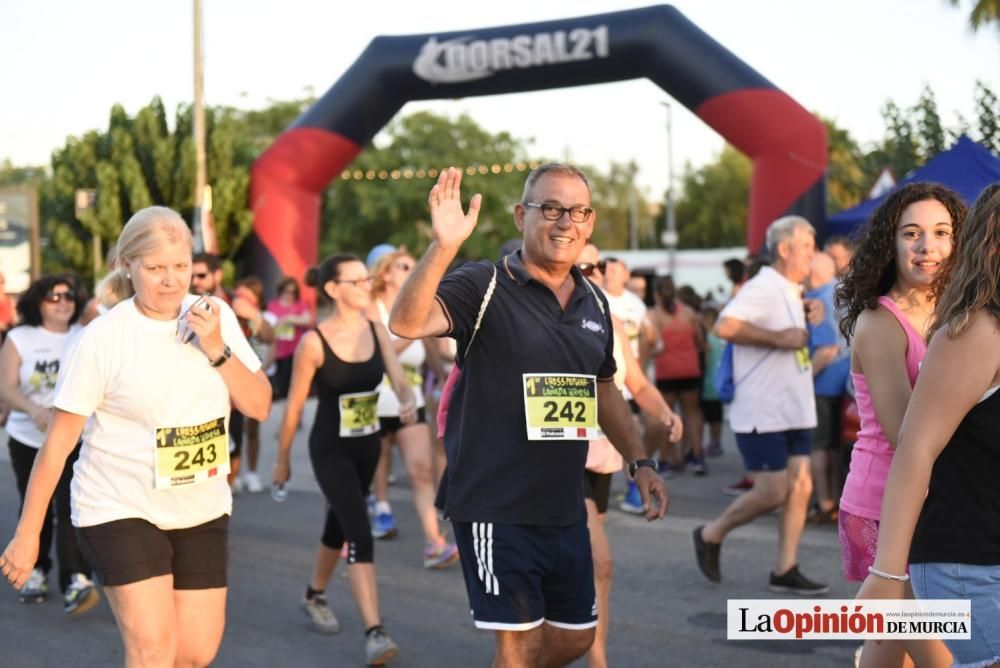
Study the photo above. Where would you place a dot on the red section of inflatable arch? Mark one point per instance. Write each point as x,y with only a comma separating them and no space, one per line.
287,184
786,143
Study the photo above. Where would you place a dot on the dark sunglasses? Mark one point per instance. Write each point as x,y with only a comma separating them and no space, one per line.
587,268
56,297
403,265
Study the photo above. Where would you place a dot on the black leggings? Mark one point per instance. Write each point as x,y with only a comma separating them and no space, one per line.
344,469
22,458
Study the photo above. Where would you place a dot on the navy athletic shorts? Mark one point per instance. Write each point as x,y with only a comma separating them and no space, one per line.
518,576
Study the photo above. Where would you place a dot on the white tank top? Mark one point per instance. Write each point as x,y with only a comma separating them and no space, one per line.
412,359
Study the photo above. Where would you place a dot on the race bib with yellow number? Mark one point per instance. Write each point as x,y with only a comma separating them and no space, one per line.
284,332
413,376
560,406
358,416
191,455
802,359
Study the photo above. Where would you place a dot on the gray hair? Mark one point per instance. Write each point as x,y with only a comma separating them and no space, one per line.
551,168
783,229
146,231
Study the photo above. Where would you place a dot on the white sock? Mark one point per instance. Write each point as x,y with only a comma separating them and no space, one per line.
383,507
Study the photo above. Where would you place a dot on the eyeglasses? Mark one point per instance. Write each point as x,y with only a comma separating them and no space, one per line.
56,297
403,265
578,214
184,332
357,281
587,268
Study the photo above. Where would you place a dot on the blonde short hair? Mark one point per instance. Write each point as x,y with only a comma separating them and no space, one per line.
146,231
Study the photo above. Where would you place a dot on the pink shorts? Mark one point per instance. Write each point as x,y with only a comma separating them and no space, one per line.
858,540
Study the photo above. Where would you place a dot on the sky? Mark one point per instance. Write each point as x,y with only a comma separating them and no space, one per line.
67,62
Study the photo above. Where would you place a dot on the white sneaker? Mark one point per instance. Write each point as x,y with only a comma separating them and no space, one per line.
36,588
252,482
80,596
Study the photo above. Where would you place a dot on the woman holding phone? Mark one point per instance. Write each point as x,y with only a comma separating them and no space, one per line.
150,501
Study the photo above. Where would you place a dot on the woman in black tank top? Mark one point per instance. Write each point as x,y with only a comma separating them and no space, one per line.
347,356
941,503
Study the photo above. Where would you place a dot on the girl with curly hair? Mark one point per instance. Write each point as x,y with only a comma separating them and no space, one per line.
948,448
887,297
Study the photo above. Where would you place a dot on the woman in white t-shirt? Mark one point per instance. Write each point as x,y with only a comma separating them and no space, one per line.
152,380
29,366
389,272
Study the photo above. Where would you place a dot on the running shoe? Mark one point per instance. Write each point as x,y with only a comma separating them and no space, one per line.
36,588
739,487
320,614
665,470
379,648
252,482
440,556
384,526
697,466
632,503
81,595
714,450
793,582
707,556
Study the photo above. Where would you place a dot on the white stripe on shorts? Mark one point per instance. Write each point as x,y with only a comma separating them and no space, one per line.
482,542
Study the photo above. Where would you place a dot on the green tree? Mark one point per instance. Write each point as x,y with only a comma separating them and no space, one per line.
846,178
13,175
616,199
389,202
988,116
928,125
713,207
983,14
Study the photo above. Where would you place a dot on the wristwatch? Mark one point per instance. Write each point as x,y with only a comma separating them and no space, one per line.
226,354
637,464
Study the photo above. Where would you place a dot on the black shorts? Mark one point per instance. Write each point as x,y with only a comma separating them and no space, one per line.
519,577
132,550
678,384
597,487
390,425
826,436
712,410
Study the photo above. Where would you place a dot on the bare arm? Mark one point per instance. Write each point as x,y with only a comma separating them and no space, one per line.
616,421
19,557
393,369
743,333
10,392
955,374
646,396
308,357
416,313
879,348
822,357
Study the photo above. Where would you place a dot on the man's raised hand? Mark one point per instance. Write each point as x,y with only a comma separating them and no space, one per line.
450,224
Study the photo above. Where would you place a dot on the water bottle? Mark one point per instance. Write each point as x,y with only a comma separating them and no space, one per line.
279,492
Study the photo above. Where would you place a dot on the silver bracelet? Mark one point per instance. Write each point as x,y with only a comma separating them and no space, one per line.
888,576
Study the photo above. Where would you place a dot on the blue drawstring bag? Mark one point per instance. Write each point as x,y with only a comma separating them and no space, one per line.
724,383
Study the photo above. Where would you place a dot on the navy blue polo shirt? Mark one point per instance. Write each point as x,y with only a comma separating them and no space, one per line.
494,473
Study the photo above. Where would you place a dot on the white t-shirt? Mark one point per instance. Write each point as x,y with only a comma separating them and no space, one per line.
778,394
42,352
412,359
631,310
132,376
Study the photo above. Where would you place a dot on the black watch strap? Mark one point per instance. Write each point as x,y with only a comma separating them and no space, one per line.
226,354
637,464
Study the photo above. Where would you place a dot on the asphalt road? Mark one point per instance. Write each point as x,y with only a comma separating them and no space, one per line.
663,613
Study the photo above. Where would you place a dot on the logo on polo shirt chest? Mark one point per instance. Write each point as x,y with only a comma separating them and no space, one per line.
591,325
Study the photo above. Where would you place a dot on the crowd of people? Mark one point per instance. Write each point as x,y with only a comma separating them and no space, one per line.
514,391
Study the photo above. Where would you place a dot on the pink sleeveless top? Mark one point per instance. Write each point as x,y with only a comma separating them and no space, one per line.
872,455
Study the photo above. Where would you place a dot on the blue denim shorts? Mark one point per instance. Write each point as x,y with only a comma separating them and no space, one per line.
770,451
981,585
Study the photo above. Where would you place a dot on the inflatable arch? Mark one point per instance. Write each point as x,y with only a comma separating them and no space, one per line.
786,143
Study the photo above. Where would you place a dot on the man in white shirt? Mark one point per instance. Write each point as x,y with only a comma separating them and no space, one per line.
774,406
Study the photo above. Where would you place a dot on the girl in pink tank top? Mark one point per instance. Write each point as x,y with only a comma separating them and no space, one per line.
885,301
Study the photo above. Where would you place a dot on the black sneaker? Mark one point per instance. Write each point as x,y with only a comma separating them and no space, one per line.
793,582
707,555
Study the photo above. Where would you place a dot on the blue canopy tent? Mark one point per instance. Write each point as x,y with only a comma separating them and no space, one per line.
967,168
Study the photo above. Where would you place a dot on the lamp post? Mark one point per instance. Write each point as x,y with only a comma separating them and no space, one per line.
669,236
